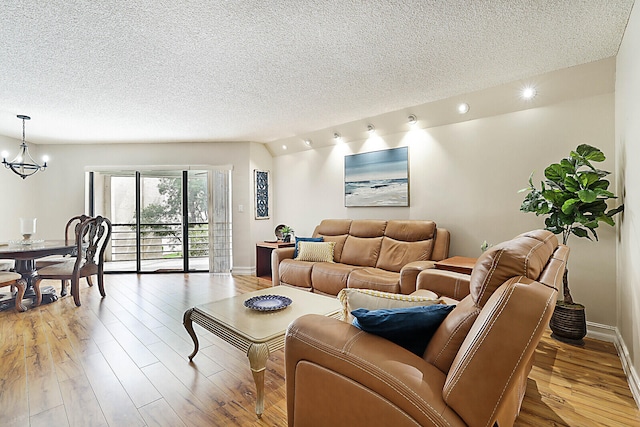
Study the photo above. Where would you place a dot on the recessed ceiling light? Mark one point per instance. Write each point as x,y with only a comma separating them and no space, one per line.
463,108
308,142
412,119
284,147
337,137
371,128
528,93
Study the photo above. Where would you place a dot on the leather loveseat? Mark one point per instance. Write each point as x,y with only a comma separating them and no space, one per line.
370,254
473,371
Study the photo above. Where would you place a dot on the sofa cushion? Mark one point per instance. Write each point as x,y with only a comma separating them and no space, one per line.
395,254
370,299
315,251
410,231
362,251
374,278
305,239
330,278
333,227
367,228
409,327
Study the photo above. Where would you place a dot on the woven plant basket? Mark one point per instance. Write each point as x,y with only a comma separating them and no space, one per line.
568,323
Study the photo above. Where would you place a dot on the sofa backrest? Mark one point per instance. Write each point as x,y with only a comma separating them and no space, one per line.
534,255
404,242
388,245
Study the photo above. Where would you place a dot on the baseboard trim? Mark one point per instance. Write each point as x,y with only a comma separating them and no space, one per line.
244,271
601,332
612,334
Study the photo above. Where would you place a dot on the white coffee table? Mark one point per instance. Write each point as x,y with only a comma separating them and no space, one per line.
257,333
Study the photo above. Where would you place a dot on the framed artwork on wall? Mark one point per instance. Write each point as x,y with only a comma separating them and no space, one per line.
261,183
378,178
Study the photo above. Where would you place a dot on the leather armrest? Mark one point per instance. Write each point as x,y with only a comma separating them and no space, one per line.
409,274
444,283
277,255
334,369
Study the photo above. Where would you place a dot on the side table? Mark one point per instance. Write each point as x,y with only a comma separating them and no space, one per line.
263,256
459,264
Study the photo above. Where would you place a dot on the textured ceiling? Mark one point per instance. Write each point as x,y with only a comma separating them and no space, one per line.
168,70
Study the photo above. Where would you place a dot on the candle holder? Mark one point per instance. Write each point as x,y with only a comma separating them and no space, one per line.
27,229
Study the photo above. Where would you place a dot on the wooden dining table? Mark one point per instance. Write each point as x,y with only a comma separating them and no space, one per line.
25,256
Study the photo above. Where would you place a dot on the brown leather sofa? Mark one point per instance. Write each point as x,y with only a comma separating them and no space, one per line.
370,254
473,371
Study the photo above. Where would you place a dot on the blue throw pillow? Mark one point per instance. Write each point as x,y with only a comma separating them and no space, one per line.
410,327
305,239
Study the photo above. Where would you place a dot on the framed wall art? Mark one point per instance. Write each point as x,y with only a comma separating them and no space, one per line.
261,182
378,178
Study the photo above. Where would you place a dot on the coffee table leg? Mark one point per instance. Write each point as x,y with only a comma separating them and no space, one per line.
188,325
258,355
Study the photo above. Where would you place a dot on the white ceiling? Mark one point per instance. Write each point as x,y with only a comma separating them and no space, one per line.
195,70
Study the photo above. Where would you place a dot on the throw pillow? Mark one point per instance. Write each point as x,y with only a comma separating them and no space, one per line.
370,299
316,251
411,327
305,239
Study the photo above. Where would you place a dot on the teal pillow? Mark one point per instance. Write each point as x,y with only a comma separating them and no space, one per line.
305,239
409,327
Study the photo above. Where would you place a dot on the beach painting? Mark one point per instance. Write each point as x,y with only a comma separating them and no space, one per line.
378,178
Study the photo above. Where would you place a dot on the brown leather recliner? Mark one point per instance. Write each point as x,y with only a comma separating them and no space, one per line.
473,371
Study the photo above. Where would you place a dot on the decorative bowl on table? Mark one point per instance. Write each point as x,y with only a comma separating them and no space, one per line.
267,302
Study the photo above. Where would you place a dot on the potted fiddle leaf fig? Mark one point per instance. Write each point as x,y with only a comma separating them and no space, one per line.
573,197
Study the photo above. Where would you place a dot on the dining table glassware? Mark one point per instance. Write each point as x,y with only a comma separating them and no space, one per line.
27,229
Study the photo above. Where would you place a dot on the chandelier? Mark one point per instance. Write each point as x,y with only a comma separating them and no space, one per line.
23,164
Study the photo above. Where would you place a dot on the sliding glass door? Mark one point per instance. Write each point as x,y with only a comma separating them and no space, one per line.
166,220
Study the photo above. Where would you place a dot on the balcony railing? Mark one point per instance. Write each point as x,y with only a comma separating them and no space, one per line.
158,241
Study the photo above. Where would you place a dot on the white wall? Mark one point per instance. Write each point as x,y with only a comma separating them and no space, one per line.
466,177
55,195
18,198
628,153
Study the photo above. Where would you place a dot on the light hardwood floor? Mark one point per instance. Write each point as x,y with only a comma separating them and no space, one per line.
122,361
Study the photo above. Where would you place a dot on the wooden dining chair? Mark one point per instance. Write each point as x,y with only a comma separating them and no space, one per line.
8,278
70,231
92,238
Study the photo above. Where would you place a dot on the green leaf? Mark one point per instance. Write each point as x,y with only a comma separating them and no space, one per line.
568,165
607,220
601,184
614,211
604,193
588,178
590,153
567,206
571,184
580,232
587,196
554,173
